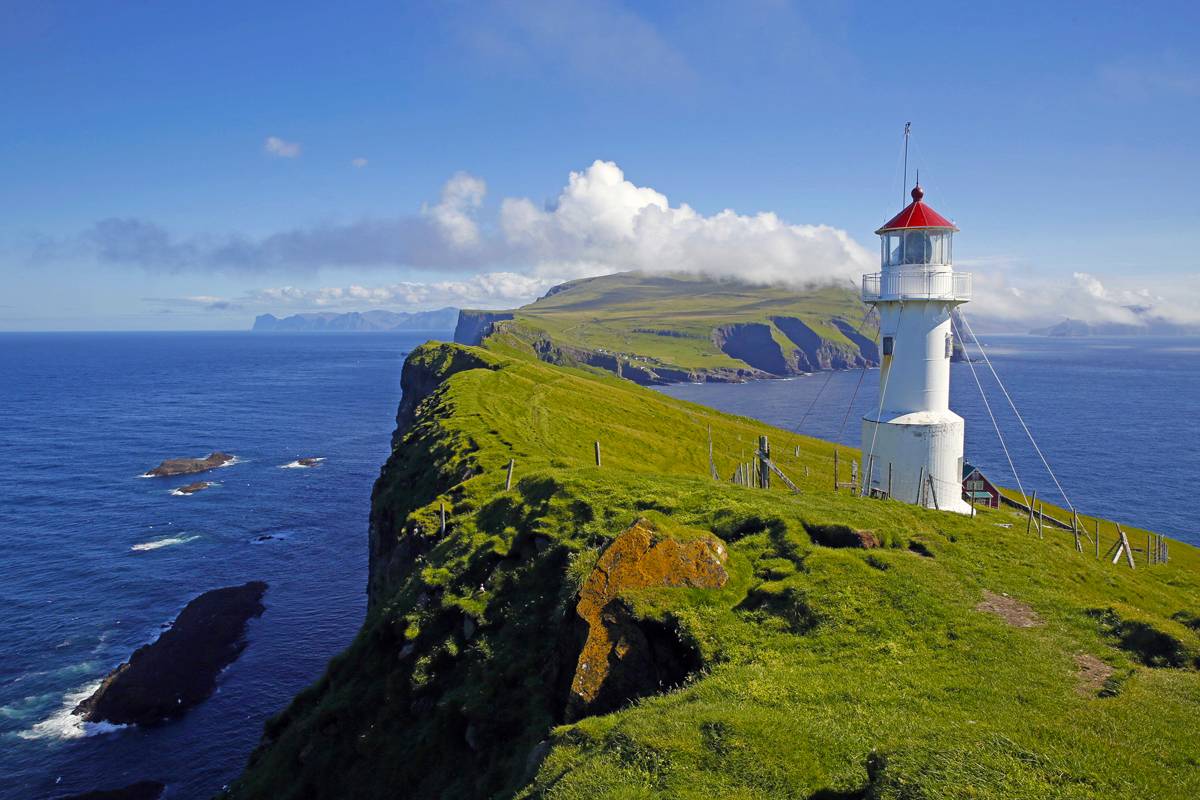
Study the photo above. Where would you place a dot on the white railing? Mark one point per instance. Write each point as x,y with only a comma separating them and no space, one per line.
917,285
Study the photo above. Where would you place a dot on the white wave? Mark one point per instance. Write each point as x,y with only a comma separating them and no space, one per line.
165,542
63,724
297,465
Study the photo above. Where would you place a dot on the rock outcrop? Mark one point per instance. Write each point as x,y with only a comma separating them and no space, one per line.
473,325
624,657
163,680
192,488
189,466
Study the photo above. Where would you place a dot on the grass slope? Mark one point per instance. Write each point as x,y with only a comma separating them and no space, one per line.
828,673
669,319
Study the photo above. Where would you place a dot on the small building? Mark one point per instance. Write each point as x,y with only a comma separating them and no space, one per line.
978,490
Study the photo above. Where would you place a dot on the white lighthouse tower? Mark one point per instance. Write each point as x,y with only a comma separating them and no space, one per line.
912,442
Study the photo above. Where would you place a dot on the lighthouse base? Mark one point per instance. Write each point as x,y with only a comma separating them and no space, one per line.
916,447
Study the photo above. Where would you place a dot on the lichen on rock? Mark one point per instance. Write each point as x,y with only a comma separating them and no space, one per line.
624,657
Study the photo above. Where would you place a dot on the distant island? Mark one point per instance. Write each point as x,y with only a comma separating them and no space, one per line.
1150,326
359,321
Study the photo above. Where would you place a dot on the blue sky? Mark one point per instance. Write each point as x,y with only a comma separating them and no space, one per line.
140,188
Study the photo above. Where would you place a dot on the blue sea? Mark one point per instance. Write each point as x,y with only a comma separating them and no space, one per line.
95,559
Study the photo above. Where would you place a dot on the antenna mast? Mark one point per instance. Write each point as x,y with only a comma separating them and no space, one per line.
904,188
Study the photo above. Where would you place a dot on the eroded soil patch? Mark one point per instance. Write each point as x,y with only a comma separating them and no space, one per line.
1092,673
1014,612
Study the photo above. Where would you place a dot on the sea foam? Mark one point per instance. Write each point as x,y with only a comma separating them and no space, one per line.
298,465
165,542
63,724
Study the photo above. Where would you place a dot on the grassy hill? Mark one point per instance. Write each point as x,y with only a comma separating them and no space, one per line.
952,657
656,328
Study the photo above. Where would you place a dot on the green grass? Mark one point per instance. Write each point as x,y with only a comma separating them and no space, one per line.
828,673
630,313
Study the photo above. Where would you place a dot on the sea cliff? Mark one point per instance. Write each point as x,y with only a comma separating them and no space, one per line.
546,623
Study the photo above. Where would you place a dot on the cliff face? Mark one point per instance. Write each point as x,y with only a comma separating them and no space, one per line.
421,465
473,325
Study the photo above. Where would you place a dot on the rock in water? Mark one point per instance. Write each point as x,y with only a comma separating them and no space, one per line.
164,679
624,657
309,462
142,790
192,488
189,466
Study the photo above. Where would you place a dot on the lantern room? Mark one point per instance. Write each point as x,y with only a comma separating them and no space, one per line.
917,237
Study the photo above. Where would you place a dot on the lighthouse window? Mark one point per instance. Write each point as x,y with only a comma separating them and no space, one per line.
888,345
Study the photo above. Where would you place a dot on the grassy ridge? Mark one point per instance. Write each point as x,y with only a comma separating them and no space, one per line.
670,319
827,672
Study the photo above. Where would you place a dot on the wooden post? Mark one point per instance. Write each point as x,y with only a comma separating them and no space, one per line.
1041,519
1148,561
933,492
854,484
597,453
797,452
442,506
771,465
921,486
867,479
1075,530
835,469
1125,544
1032,501
889,493
508,480
764,455
806,470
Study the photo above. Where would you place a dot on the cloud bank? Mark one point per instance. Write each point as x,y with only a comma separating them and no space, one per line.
1086,297
600,222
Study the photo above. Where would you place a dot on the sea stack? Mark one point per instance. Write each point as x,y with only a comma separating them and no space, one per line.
912,442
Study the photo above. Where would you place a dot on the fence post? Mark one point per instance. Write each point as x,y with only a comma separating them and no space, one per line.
764,454
835,469
889,493
508,480
442,507
597,453
921,486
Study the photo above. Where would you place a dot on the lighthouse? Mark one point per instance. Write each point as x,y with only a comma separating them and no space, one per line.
912,443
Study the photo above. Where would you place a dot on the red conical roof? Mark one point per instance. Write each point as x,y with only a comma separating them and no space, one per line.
917,215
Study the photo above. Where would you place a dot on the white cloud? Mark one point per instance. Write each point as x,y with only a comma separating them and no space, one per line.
487,290
358,163
454,214
1086,297
280,148
603,222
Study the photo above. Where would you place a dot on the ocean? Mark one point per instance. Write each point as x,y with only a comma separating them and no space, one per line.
95,560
